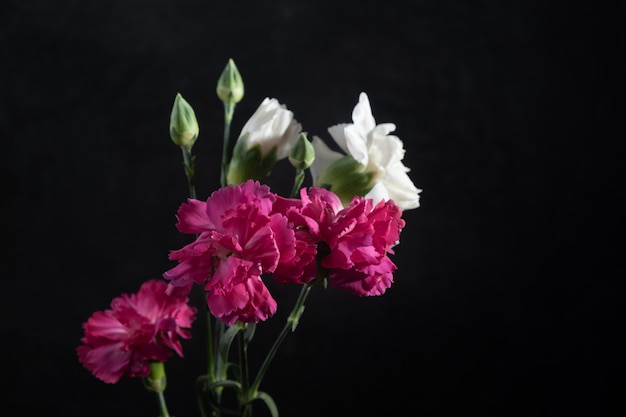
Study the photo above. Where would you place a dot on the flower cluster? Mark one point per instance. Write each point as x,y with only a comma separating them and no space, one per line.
246,231
338,232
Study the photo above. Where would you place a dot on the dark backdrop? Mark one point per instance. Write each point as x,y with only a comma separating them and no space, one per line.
506,301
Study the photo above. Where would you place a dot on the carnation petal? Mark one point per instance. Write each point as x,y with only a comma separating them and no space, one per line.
261,247
362,115
236,293
192,217
369,282
338,133
271,126
107,362
356,144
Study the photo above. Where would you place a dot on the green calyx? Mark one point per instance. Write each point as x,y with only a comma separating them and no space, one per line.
347,178
249,163
156,381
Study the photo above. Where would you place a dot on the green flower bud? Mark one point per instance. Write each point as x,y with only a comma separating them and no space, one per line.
183,124
230,84
347,178
302,153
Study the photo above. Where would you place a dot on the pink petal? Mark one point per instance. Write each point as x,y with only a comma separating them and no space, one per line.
192,217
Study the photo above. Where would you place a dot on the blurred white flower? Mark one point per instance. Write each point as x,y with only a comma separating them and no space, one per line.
379,153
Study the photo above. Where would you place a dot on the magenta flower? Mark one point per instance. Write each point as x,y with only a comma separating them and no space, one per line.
139,328
239,239
353,243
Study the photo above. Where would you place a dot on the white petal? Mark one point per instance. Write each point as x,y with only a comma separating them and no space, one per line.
261,116
338,134
400,187
271,125
378,193
356,144
289,138
386,150
362,115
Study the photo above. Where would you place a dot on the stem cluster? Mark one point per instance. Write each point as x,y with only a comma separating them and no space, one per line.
222,373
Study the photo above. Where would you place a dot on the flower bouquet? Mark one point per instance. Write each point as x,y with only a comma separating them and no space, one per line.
339,232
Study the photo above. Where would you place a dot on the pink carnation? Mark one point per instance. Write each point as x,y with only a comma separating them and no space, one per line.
139,328
353,243
239,239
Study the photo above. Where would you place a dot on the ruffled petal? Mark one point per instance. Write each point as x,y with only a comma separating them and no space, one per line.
236,293
107,362
192,217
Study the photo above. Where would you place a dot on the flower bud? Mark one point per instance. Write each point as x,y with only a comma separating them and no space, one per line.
347,178
230,84
302,153
183,124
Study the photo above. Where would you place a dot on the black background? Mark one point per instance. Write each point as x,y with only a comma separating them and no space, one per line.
506,301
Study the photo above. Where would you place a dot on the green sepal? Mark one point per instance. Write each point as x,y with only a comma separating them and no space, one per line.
230,88
156,381
248,164
347,178
184,128
302,153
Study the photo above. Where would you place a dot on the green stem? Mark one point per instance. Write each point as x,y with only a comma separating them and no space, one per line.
229,110
247,411
215,368
297,183
210,347
244,375
220,370
201,394
162,405
188,161
243,362
190,170
290,325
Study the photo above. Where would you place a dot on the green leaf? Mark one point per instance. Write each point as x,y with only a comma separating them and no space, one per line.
294,318
269,402
248,333
225,383
225,341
